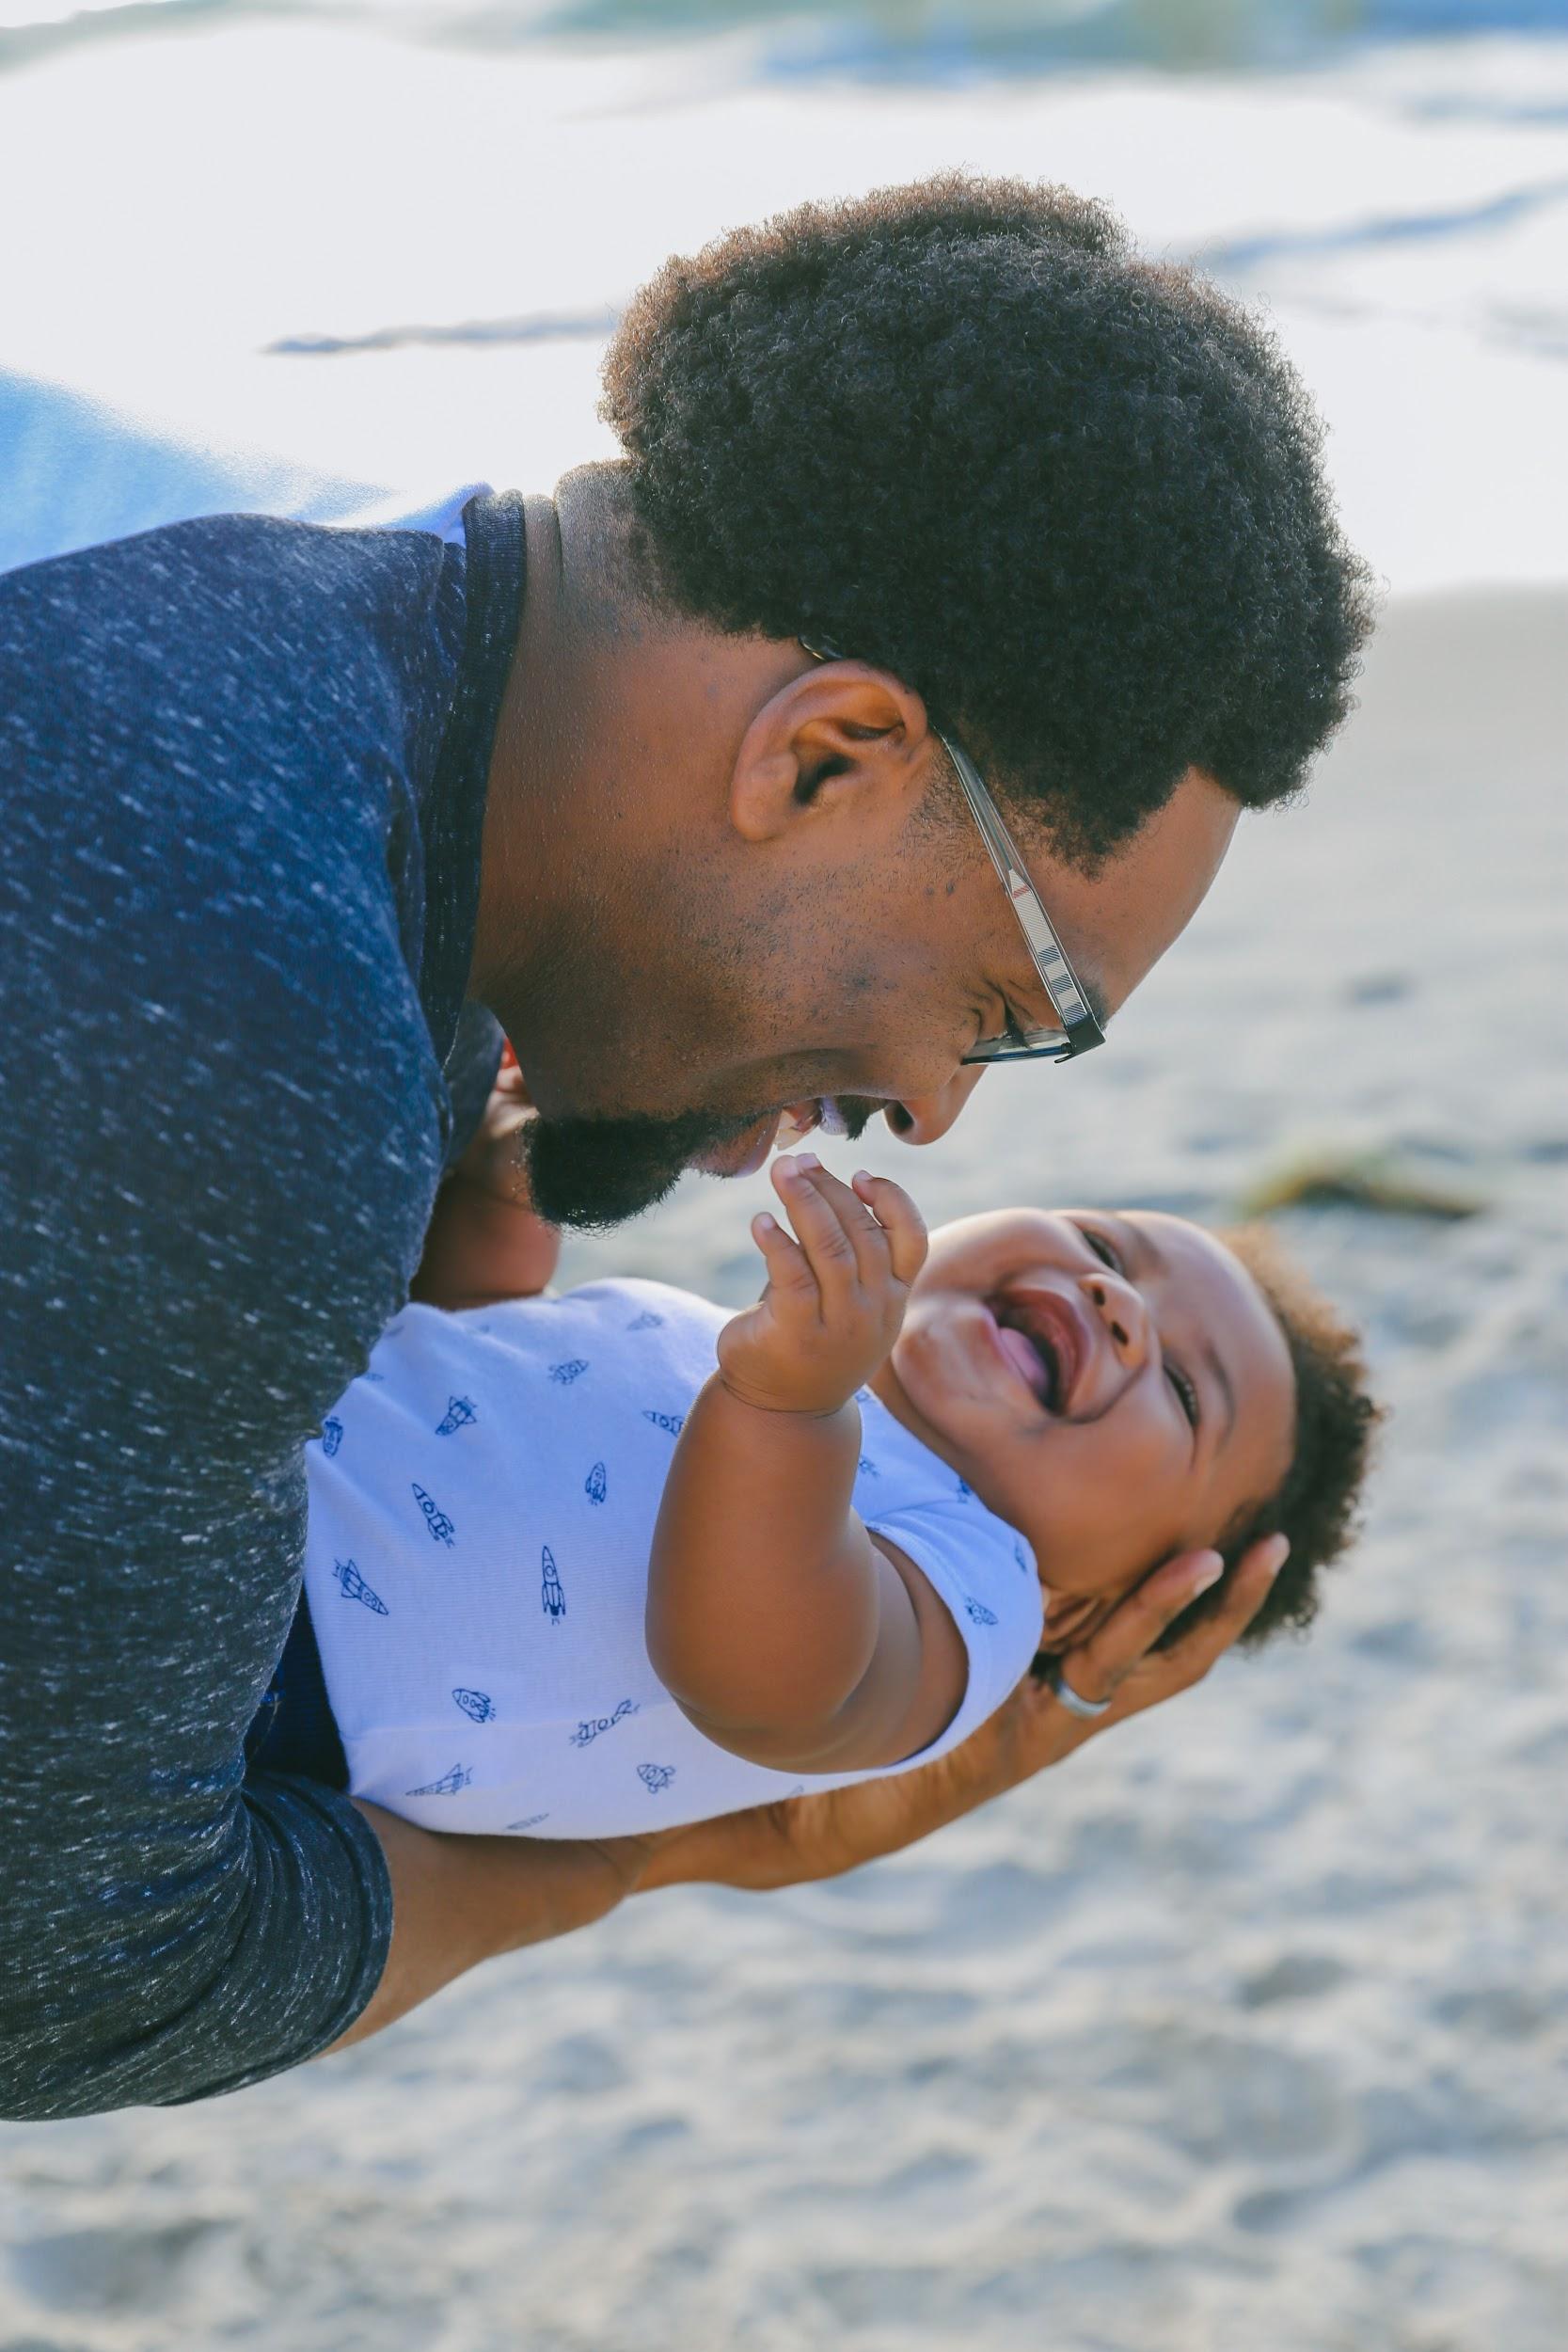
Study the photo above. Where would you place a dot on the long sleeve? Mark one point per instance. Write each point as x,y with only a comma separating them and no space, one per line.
225,1118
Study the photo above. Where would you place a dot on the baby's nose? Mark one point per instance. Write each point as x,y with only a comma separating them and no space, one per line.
1121,1311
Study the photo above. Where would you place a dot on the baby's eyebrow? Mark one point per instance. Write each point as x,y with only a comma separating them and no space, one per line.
1147,1256
1215,1362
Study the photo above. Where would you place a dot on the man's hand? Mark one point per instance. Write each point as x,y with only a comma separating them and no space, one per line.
484,1241
835,1295
821,1836
458,1900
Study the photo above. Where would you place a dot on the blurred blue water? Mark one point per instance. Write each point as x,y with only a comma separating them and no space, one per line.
901,41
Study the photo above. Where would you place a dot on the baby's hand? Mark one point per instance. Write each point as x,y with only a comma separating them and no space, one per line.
835,1296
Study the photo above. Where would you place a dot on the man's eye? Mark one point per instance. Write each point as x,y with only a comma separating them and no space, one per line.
1101,1249
1186,1392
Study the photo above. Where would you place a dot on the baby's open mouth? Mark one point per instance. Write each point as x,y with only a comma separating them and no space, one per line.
1039,1335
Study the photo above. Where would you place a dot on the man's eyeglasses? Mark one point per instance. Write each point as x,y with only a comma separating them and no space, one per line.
1080,1031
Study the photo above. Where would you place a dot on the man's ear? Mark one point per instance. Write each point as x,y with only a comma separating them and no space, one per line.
840,740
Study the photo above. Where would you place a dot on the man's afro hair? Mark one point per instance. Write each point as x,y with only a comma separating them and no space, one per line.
961,430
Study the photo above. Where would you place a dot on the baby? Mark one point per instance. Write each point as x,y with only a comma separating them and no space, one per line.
583,1565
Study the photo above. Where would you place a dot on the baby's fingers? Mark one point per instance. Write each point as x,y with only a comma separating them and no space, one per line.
899,1220
788,1273
818,1223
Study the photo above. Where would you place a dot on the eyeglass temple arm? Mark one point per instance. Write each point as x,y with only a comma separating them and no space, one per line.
1061,982
1068,999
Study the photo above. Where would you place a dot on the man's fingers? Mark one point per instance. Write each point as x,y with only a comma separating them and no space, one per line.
1132,1629
1096,1668
899,1220
1195,1652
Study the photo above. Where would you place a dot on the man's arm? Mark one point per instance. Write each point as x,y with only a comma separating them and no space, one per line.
840,1829
225,1128
459,1900
485,1242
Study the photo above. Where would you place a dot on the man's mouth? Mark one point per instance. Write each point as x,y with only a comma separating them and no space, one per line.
819,1111
1043,1340
746,1153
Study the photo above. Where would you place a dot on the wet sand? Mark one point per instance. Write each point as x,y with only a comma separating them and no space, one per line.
1247,2028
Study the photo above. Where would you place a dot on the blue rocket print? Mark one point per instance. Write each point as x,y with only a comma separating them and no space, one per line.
476,1706
332,1435
355,1588
435,1519
595,1485
459,1413
867,1468
672,1423
552,1599
646,1321
1022,1558
979,1612
531,1820
965,1491
448,1786
573,1369
656,1776
589,1730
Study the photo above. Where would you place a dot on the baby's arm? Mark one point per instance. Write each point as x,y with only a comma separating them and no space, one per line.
485,1241
784,1630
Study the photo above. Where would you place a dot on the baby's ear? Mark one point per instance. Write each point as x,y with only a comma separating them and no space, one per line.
1072,1617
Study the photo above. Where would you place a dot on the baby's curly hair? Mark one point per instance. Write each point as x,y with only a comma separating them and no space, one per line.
1070,496
1335,1420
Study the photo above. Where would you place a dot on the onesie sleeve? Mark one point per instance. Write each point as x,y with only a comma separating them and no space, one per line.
986,1576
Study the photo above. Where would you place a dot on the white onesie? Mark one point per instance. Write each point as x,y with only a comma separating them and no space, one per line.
482,1503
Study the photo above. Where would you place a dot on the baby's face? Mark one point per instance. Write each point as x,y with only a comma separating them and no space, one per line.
1114,1385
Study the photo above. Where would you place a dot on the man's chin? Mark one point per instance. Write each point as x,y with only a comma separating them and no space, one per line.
592,1173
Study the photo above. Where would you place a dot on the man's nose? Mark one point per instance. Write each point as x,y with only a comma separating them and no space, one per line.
922,1117
1123,1316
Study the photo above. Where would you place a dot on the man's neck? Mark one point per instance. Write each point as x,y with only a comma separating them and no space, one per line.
515,879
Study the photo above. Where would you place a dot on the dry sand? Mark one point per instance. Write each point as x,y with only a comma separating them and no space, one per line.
1247,2031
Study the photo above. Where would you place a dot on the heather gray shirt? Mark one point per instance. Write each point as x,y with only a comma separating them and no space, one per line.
244,766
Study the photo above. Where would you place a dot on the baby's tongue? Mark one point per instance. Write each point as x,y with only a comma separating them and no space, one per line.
1025,1362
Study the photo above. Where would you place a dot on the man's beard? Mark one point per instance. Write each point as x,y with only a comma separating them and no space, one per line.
596,1173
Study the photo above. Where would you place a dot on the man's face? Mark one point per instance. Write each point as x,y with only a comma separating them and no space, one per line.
842,988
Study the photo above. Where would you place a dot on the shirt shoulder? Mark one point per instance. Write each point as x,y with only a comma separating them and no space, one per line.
980,1568
80,471
237,627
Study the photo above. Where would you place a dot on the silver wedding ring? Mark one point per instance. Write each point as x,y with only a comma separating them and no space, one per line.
1087,1710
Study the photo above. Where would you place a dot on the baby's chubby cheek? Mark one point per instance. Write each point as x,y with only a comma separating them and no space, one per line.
1098,1506
942,1363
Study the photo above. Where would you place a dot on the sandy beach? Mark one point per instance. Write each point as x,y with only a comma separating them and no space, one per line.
1250,2025
1248,2030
